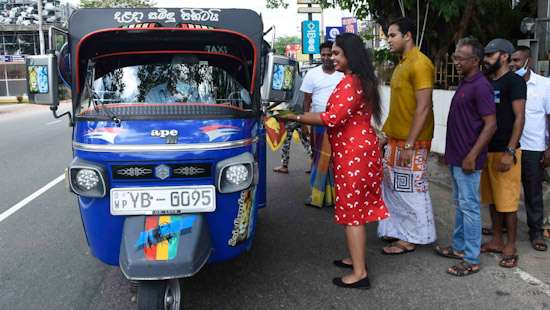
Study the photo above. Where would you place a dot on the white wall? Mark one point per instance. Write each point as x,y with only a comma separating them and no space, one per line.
441,104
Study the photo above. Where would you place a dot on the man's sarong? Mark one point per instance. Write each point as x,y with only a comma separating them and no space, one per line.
322,178
405,192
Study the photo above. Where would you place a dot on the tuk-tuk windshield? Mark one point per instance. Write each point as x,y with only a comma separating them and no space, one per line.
162,84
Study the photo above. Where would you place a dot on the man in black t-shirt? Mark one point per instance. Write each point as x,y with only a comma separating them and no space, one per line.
501,176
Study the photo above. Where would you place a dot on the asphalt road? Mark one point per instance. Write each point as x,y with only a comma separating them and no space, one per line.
45,262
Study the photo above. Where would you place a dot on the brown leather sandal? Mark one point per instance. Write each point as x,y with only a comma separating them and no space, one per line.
463,269
448,252
539,245
397,244
509,261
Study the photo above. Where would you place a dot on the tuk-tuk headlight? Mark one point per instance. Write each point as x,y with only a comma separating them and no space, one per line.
87,179
235,174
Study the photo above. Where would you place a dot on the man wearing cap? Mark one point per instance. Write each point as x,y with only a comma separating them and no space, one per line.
501,176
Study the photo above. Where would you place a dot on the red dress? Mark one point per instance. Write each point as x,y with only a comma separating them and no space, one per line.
356,158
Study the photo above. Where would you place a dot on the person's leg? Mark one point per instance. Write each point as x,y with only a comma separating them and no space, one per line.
285,155
511,220
470,207
506,201
489,189
458,233
356,241
304,139
496,244
532,177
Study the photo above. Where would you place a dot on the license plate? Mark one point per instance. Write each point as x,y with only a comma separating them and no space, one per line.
163,200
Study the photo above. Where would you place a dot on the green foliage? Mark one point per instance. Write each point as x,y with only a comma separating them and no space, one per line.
447,20
273,4
116,3
382,56
282,42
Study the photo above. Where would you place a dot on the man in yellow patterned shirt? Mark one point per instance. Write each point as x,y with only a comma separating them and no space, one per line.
409,131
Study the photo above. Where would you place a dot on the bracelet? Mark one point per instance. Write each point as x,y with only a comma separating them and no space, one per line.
298,117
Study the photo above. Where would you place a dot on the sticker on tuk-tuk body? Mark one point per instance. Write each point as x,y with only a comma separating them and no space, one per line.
217,49
217,131
38,79
168,15
107,134
160,240
244,222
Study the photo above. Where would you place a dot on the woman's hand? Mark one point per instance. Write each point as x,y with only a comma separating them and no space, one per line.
286,117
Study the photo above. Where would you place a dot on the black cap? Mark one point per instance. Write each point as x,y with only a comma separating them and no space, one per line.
499,45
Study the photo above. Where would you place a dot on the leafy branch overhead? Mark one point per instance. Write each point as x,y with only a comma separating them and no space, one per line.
445,21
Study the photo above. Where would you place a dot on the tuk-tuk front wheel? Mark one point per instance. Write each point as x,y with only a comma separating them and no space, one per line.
159,295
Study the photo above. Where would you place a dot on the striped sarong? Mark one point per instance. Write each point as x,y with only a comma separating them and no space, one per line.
322,177
405,192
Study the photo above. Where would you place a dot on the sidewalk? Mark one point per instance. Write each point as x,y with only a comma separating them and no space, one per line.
21,107
438,173
533,265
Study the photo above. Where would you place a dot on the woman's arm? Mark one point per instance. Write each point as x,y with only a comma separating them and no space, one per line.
309,118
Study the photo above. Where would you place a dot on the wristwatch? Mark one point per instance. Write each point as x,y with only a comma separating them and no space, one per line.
407,146
511,151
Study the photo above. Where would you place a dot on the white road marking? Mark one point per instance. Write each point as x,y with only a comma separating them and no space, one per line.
528,278
545,288
4,215
53,122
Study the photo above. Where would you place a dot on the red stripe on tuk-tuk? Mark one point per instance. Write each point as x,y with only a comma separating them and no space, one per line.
151,222
170,52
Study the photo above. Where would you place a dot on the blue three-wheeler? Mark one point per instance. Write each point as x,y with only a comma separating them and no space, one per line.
168,137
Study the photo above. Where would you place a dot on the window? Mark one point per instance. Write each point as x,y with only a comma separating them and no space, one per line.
167,81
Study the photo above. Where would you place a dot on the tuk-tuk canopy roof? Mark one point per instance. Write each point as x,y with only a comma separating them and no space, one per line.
97,32
244,21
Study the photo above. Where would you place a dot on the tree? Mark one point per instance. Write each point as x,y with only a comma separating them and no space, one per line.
282,42
444,21
116,3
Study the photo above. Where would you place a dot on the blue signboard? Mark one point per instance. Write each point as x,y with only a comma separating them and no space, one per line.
332,32
310,37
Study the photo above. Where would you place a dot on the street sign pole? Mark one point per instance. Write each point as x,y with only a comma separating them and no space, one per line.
310,18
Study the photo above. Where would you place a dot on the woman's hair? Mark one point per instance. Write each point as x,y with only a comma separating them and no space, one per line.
360,64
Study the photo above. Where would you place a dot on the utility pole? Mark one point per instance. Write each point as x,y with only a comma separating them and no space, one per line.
40,31
543,26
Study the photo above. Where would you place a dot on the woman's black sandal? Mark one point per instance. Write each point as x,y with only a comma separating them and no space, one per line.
363,284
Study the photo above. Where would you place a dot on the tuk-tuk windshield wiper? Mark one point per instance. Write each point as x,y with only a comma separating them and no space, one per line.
94,97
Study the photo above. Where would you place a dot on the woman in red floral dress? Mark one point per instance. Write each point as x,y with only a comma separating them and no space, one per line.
356,158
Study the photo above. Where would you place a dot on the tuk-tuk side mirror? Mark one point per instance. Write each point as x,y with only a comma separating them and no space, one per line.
279,79
42,81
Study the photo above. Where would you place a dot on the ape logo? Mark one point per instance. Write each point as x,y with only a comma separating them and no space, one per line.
164,133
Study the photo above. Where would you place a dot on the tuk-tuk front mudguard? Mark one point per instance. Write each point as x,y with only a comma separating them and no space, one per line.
194,247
